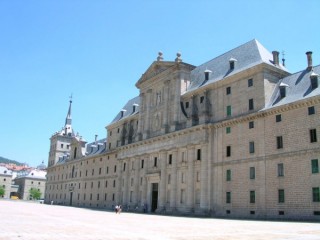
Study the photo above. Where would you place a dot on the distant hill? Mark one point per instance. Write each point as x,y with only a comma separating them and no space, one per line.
5,160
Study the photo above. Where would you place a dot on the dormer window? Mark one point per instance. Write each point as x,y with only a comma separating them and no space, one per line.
232,63
282,92
314,80
283,89
122,113
207,74
134,107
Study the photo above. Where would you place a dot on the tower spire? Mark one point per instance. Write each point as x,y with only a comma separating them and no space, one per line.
68,127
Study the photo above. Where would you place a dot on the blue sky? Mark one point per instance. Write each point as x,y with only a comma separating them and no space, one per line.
97,50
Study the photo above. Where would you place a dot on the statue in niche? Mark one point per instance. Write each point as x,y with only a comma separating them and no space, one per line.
156,122
158,100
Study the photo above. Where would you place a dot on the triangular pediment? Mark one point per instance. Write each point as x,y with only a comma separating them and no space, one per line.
154,69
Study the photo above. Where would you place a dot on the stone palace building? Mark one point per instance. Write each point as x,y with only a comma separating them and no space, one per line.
234,137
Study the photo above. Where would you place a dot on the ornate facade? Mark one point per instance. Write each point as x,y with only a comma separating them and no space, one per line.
233,137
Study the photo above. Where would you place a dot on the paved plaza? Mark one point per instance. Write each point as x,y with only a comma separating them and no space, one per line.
30,220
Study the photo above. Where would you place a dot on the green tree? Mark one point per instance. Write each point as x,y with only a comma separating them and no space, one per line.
35,193
2,191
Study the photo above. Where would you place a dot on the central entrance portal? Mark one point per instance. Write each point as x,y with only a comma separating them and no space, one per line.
154,197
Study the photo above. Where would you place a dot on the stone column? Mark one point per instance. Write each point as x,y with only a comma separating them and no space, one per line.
141,110
190,112
147,115
173,195
204,178
190,180
136,183
166,99
163,180
176,103
125,182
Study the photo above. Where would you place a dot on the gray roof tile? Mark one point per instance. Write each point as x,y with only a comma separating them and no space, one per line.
247,55
128,109
298,87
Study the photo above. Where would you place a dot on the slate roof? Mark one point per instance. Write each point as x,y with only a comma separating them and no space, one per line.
97,147
245,56
128,109
36,173
5,171
298,87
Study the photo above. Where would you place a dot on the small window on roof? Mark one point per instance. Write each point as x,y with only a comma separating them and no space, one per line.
282,92
314,80
232,62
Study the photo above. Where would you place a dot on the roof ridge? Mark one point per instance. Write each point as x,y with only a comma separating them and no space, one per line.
233,49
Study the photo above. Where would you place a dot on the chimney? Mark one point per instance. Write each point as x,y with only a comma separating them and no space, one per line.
309,58
275,57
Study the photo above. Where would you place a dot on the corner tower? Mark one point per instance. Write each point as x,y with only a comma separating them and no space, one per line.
60,141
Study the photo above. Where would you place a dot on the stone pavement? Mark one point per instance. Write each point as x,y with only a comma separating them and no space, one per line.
33,221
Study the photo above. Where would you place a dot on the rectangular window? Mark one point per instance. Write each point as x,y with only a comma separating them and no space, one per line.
115,168
278,118
314,82
228,110
252,196
228,175
182,196
314,166
251,124
187,104
228,197
281,195
228,151
252,173
155,162
280,170
251,106
201,99
170,159
124,167
228,130
279,142
142,163
250,82
311,110
316,194
228,90
99,171
182,177
198,154
251,147
313,135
